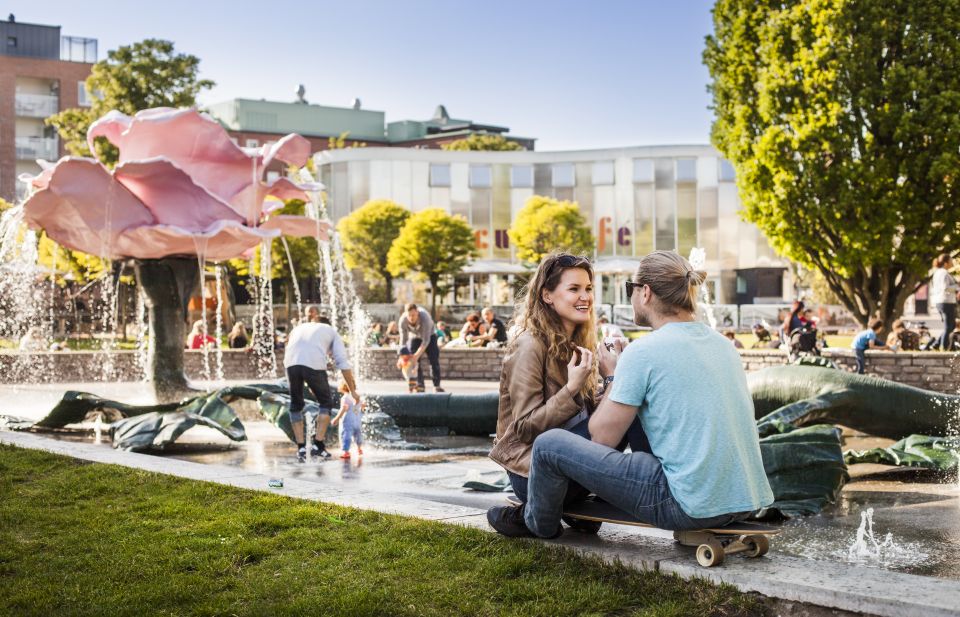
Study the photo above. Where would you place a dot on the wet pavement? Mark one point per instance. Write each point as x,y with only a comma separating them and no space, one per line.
920,510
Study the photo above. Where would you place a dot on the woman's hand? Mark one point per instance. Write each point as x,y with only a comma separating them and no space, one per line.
607,356
579,369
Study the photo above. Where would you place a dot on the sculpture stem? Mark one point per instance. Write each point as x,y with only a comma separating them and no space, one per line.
167,285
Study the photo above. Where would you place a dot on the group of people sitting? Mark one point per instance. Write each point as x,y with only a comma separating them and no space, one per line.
483,329
199,337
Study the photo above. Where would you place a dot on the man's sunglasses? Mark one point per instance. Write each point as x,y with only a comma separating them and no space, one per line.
630,285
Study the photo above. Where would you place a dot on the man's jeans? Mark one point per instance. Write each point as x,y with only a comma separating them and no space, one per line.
633,482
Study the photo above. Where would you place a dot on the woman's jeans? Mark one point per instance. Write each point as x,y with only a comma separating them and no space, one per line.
635,437
633,482
948,313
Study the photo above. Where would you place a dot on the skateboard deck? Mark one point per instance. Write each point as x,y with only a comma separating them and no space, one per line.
713,543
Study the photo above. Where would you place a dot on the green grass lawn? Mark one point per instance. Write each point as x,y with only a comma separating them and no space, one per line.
90,539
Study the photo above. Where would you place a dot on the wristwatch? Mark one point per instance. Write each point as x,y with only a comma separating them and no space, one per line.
606,383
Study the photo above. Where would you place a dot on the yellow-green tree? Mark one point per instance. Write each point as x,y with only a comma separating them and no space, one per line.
545,224
366,236
431,245
131,78
479,141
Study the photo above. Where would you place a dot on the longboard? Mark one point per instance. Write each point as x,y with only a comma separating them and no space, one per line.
713,544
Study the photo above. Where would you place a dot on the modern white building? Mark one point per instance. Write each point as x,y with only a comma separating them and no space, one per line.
636,199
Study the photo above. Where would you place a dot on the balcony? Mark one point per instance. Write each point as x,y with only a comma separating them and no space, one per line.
36,105
32,148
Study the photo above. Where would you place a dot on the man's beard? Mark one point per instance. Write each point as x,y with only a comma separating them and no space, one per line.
641,318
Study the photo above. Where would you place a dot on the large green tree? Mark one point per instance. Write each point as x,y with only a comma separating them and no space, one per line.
841,117
132,77
545,224
367,234
432,245
477,141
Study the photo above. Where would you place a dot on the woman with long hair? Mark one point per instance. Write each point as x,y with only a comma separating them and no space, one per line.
549,377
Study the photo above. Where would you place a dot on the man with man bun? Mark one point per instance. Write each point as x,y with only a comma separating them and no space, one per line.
686,383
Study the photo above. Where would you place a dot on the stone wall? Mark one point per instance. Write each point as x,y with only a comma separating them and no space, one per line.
930,370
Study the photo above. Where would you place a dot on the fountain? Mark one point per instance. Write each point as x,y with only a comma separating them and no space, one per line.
181,193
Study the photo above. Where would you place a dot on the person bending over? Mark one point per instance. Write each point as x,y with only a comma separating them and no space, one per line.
305,359
687,385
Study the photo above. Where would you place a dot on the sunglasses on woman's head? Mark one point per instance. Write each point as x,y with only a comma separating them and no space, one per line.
566,261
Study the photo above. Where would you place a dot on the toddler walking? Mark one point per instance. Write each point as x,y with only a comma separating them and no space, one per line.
405,364
349,421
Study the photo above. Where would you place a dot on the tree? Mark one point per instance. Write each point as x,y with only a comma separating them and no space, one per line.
478,141
432,244
840,117
132,77
545,224
366,236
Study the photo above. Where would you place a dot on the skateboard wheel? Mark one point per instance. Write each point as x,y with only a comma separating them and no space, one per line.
758,545
710,553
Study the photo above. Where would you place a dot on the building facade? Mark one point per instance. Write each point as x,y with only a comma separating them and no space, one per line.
41,74
636,200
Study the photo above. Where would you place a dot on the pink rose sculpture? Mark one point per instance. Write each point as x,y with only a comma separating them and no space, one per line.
181,187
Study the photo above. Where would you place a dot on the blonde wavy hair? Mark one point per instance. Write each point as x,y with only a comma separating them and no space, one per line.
535,316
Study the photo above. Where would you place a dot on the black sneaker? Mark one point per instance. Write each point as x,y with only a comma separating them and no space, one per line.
508,521
314,450
301,454
581,525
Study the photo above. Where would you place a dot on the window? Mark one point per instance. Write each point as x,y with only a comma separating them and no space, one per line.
273,175
686,170
741,284
480,177
563,175
83,99
727,172
521,176
642,170
439,175
252,143
11,41
603,172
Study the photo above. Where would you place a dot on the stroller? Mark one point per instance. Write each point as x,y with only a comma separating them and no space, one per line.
803,341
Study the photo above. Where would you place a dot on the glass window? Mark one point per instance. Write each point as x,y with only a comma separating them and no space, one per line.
11,41
521,176
741,284
603,173
273,175
727,172
686,170
563,175
252,143
439,175
480,177
83,99
642,170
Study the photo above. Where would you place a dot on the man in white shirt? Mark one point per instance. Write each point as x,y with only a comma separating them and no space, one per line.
305,359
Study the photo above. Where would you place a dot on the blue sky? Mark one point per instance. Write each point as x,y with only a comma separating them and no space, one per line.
573,74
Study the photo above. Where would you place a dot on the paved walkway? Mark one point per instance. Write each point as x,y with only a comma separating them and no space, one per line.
824,584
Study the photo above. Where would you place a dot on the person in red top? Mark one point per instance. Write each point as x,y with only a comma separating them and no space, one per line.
198,339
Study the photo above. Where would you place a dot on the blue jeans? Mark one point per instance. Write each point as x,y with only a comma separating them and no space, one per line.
861,355
635,437
948,313
633,482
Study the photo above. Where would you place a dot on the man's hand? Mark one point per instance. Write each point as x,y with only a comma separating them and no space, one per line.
355,395
607,358
579,369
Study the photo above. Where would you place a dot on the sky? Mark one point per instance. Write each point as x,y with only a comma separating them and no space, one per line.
574,75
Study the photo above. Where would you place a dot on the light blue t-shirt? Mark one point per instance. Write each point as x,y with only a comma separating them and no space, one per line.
863,338
688,382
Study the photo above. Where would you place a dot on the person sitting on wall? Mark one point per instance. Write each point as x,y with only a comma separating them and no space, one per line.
495,334
391,338
375,336
444,335
902,338
762,337
238,339
198,338
472,330
33,340
730,334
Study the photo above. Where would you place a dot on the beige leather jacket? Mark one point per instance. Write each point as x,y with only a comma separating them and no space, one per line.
533,400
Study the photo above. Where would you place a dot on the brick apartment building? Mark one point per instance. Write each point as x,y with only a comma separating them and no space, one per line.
41,73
